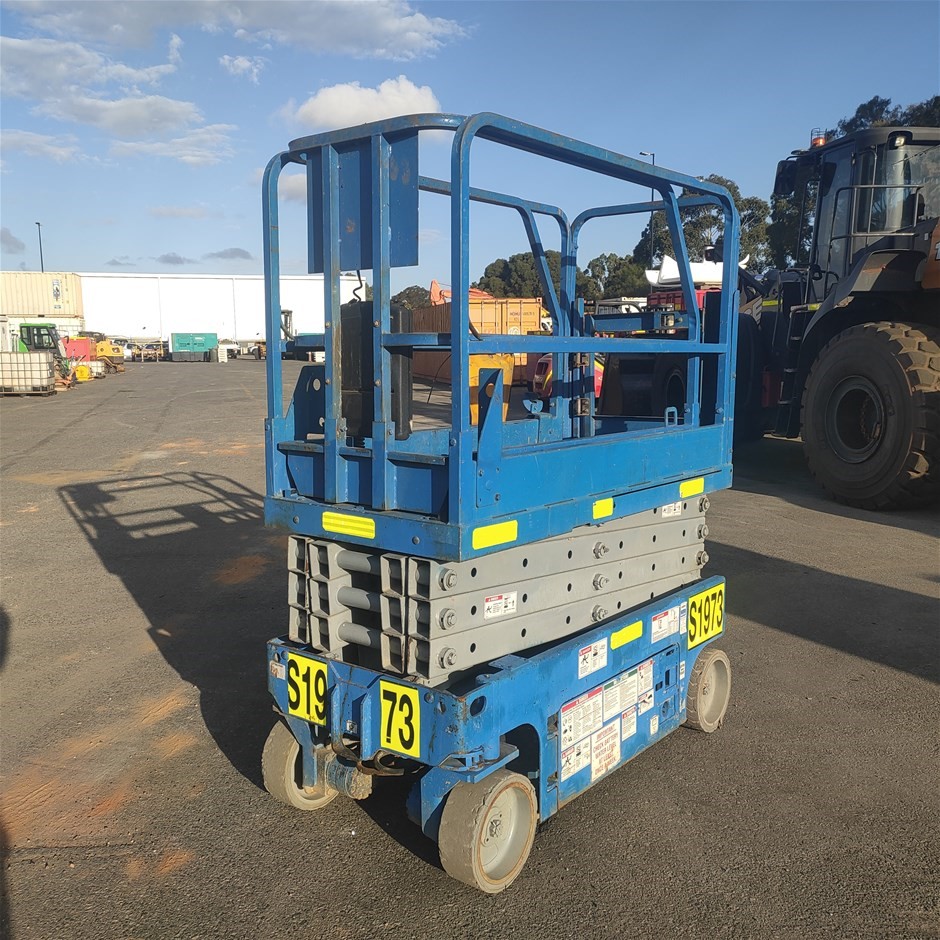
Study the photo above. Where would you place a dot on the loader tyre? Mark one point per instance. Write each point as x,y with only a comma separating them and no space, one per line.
871,416
487,830
706,701
668,385
281,768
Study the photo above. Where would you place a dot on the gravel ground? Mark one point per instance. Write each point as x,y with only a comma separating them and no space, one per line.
138,588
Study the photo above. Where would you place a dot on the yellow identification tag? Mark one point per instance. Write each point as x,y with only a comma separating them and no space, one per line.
306,688
401,719
706,615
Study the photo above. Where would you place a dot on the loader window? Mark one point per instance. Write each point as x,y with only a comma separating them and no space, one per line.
898,186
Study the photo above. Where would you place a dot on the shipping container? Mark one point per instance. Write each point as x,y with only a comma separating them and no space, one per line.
515,316
29,294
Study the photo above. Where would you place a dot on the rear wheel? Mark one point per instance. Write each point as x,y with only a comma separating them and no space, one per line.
871,421
282,770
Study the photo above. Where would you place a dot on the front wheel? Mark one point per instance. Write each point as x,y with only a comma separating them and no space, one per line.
282,770
487,830
871,422
709,690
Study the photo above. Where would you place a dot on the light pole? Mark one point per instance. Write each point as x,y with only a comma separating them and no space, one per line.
649,153
42,267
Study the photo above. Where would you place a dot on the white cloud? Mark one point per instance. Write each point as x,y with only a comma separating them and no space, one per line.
293,187
248,66
171,257
10,243
149,115
61,148
178,212
202,146
390,29
230,254
350,104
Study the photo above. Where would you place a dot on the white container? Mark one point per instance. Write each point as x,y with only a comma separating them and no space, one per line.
27,373
97,368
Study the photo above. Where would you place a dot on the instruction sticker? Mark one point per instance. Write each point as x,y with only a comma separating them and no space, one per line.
654,725
644,677
582,716
499,605
575,758
278,670
670,621
628,724
591,658
671,509
645,703
605,749
620,693
682,670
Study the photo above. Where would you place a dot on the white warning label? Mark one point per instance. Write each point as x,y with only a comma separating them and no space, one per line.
654,725
605,749
575,758
499,605
620,693
665,624
645,677
671,509
646,702
582,717
591,658
628,724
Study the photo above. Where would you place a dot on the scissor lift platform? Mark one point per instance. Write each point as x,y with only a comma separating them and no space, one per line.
585,636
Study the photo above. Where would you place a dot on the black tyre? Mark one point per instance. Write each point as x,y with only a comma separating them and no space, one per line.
282,772
668,385
706,701
871,416
487,830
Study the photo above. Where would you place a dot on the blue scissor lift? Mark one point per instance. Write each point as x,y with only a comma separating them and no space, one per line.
504,606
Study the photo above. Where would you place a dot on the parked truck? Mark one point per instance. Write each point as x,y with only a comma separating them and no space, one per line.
845,348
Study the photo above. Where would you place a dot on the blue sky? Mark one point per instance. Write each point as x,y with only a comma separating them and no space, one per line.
136,132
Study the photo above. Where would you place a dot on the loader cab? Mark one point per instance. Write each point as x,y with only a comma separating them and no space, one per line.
39,337
855,191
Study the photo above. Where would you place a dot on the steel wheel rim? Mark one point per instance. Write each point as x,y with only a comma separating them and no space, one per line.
504,833
855,419
295,780
714,693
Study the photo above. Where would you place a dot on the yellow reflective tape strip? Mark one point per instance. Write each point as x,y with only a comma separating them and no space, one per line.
500,533
692,487
361,527
626,635
603,507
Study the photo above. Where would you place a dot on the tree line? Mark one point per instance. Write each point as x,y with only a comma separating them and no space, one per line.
768,229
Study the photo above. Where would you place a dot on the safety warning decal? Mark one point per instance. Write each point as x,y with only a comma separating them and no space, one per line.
575,758
499,605
278,670
628,724
605,749
646,702
582,716
654,725
671,509
619,693
591,658
645,677
670,621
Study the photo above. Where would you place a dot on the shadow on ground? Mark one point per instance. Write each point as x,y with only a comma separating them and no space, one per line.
898,628
192,551
775,466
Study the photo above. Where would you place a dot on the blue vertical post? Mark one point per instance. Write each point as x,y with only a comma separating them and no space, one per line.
381,324
334,488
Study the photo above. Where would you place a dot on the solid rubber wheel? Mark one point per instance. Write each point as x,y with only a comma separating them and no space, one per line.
487,830
871,424
281,768
709,690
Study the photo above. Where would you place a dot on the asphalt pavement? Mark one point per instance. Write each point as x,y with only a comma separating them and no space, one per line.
138,587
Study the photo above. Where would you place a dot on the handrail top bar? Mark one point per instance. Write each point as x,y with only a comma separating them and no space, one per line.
488,125
408,122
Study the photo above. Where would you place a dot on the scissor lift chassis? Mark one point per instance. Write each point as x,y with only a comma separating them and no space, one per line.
562,718
505,697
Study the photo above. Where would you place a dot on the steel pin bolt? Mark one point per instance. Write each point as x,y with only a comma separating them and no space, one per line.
703,531
448,657
600,549
599,613
703,504
600,581
701,559
448,579
448,618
